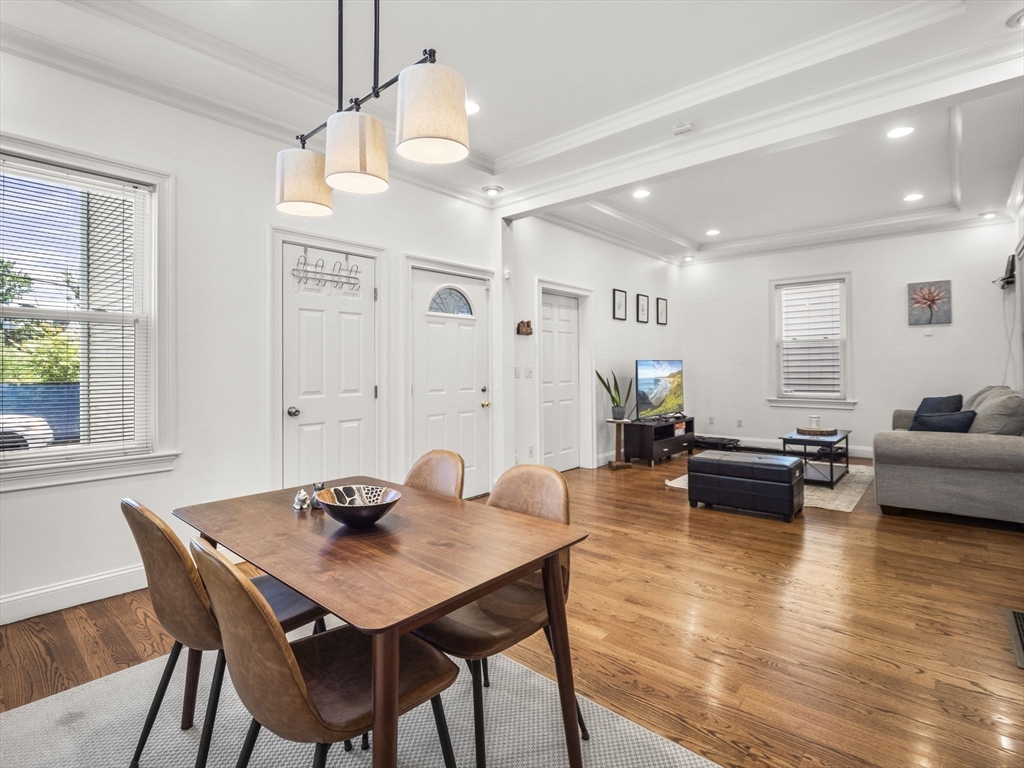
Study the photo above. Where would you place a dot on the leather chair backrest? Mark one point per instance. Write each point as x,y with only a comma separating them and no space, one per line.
438,471
536,490
263,668
177,593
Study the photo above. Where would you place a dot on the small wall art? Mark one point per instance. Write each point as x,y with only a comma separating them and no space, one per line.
930,303
662,309
643,305
618,304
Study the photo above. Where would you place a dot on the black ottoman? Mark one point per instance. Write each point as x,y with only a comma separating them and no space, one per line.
753,481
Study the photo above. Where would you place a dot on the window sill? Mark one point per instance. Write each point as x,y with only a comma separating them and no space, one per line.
86,470
803,402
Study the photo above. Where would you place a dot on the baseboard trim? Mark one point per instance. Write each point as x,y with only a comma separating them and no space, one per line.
53,597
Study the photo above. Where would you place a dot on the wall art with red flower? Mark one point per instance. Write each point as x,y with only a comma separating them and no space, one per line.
930,303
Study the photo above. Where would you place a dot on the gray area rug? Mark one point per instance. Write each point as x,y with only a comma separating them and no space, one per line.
843,498
97,725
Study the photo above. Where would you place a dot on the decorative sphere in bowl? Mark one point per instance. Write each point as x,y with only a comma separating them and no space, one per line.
357,506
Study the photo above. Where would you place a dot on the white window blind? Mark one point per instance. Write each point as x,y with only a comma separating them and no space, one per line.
74,308
810,339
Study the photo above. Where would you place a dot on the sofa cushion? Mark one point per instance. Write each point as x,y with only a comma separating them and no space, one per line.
948,404
972,402
943,422
1000,415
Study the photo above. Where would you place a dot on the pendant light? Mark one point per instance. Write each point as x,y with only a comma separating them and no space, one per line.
357,153
432,125
301,190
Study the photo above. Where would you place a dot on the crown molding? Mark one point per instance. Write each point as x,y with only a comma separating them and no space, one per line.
43,51
561,220
899,21
131,15
643,223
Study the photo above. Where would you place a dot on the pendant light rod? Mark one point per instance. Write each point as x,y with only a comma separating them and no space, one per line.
429,57
341,57
376,48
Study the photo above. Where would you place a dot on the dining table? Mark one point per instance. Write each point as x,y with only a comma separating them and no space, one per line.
428,556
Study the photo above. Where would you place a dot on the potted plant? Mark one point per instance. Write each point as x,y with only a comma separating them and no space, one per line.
618,402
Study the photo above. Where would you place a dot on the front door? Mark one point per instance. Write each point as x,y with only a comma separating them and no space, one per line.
559,381
450,360
329,419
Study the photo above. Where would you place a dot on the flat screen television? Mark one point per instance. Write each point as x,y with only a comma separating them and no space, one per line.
659,387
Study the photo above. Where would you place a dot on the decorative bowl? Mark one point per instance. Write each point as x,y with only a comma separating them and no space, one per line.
357,506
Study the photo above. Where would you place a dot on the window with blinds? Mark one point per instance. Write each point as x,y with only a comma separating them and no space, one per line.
810,339
74,311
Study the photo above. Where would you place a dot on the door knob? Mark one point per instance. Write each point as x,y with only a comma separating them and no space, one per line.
293,411
485,404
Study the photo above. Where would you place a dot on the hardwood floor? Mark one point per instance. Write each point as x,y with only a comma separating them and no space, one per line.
838,640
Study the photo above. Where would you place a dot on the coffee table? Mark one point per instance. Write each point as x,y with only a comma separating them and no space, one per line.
815,472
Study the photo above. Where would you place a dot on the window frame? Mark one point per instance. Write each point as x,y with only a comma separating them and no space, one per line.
160,289
844,400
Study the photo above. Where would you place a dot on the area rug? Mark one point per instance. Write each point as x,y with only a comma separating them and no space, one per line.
97,725
843,498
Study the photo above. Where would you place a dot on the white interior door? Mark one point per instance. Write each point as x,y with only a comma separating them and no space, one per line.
328,376
559,381
450,371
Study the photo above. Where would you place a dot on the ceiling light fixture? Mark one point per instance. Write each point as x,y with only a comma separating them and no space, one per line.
712,232
988,215
1016,21
493,191
472,107
913,198
432,127
642,193
688,258
899,133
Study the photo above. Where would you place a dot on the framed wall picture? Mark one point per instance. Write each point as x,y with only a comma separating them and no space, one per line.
930,303
643,304
662,310
618,304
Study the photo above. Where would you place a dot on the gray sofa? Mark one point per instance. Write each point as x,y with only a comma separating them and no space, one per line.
979,474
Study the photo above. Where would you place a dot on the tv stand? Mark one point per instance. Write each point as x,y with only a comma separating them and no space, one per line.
653,441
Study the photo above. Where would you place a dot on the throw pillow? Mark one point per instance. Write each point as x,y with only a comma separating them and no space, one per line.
975,400
948,404
943,422
1002,415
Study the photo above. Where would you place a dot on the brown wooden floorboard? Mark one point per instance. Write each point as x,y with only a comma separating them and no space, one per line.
837,641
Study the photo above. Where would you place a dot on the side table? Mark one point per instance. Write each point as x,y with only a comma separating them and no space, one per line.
620,461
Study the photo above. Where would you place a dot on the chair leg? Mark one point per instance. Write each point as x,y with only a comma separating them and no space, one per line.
475,669
319,626
584,733
188,706
154,708
248,745
442,732
348,745
320,756
211,710
366,741
487,677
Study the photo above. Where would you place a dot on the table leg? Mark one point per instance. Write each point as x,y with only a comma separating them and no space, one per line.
385,700
618,442
554,593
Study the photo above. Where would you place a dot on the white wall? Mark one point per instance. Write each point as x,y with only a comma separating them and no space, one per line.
543,251
727,344
68,544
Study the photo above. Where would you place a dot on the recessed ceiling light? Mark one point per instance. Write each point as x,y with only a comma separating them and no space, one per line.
642,193
688,258
493,191
912,198
472,107
988,215
712,232
1015,21
899,133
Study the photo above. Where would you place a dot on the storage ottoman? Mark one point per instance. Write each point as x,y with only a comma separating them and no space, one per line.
752,481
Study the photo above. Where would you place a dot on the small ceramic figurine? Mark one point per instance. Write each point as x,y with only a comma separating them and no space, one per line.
316,487
301,499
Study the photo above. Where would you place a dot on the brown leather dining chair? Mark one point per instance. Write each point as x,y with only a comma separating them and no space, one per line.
183,608
511,614
317,689
438,471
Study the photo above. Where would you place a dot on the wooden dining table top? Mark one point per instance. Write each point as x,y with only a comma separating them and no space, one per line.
428,555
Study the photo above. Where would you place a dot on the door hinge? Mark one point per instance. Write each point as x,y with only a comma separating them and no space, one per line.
374,391
374,294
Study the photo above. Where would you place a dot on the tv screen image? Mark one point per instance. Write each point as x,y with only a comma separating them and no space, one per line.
659,387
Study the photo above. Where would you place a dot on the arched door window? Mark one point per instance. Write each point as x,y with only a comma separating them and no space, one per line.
450,301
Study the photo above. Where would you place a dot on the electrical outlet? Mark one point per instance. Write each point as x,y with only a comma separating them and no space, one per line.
529,451
711,419
739,422
515,372
529,371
